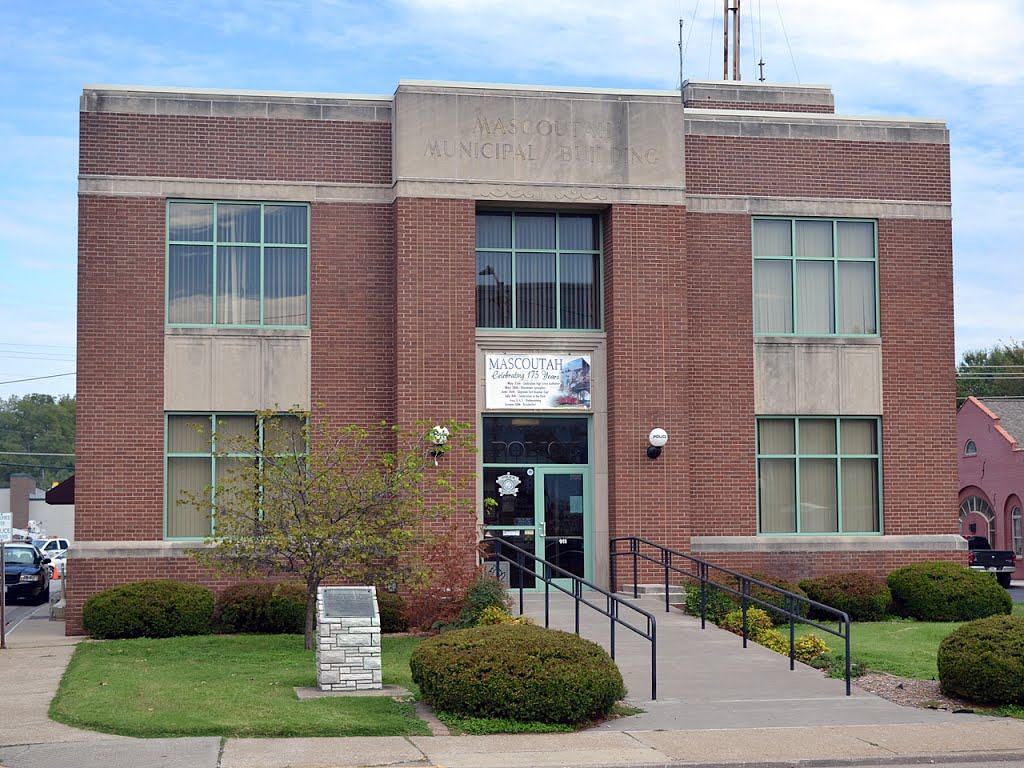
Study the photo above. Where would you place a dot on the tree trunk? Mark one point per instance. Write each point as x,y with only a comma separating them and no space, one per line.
311,590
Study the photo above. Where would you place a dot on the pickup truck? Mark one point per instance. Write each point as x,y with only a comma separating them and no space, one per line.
981,557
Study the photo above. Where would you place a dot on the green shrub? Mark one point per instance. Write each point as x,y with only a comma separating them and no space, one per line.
983,660
775,599
774,640
944,591
862,596
809,647
758,621
149,609
492,615
719,602
517,671
286,610
262,607
485,592
392,612
242,607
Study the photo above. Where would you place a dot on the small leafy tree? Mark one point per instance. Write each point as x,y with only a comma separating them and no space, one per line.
305,497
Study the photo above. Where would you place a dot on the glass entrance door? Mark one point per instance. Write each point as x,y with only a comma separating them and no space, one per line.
543,510
562,528
536,489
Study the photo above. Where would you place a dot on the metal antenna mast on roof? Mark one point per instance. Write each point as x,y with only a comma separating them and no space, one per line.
680,59
731,6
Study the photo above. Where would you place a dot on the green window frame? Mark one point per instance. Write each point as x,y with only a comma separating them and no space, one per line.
819,475
237,263
815,277
539,270
192,464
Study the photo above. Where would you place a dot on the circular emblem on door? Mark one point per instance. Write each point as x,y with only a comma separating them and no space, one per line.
508,485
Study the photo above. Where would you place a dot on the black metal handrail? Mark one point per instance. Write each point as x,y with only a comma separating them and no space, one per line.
526,562
701,571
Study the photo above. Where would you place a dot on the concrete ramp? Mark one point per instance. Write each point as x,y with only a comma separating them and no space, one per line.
707,680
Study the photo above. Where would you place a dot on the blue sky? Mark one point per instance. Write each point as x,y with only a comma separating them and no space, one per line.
957,60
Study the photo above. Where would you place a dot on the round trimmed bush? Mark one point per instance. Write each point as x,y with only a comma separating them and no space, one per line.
944,591
262,607
392,612
149,609
983,661
242,607
862,596
286,610
517,672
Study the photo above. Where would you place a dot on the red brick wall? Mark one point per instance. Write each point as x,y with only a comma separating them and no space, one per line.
731,165
435,359
645,274
919,450
748,106
720,386
235,148
120,428
352,262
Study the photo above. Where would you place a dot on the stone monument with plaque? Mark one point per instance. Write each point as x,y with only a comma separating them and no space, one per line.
348,639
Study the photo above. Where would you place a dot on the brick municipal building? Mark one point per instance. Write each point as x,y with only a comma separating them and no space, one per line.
566,269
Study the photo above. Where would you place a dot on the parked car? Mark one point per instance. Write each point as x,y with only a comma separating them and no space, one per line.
26,573
981,557
51,546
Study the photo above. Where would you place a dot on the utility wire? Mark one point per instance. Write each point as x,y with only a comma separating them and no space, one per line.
32,453
38,378
786,36
34,466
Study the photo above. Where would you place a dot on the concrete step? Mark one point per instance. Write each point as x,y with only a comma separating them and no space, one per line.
675,593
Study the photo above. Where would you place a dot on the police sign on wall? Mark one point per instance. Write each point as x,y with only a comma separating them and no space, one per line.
538,382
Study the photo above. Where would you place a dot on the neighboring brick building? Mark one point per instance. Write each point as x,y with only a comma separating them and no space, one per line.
766,281
991,464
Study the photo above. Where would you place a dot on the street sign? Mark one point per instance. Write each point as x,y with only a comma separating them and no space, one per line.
5,526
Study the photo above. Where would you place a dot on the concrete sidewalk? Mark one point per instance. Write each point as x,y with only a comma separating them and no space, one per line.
751,710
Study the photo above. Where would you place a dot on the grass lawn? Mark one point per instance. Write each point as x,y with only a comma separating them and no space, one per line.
905,647
224,685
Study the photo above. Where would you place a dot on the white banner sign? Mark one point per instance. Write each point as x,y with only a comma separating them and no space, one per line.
538,381
5,526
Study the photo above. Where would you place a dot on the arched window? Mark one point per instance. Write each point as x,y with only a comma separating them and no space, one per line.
980,506
1018,533
971,449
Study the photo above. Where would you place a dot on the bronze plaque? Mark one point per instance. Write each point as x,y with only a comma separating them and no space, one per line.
348,603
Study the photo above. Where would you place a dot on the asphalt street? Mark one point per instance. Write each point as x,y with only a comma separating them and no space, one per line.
16,612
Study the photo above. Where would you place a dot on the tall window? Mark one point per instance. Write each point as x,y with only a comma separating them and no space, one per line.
193,442
815,277
1017,531
237,264
818,475
538,270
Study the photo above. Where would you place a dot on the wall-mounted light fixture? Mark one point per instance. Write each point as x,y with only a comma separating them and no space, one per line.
657,440
439,437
